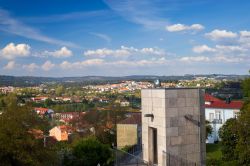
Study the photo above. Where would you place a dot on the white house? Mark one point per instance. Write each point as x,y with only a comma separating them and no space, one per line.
218,112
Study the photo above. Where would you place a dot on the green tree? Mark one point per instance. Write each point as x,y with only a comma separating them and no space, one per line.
229,137
18,144
60,90
48,102
243,146
90,152
209,129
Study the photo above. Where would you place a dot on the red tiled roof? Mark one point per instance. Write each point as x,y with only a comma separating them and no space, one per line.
65,128
41,110
209,97
217,103
223,104
135,118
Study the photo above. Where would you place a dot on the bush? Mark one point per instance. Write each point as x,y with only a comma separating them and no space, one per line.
90,152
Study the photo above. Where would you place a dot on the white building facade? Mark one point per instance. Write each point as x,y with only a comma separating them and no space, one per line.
217,112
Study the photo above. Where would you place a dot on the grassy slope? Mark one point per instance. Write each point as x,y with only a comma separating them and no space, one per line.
213,151
214,156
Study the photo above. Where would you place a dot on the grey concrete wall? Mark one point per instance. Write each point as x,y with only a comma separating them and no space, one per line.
176,134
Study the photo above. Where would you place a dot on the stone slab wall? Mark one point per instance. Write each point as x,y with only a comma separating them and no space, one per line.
177,135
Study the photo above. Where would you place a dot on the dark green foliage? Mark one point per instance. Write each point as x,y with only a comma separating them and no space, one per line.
214,156
126,148
243,146
235,133
246,87
90,152
72,107
229,136
18,145
48,102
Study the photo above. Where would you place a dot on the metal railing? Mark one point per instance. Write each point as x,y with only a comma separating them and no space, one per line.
217,121
123,158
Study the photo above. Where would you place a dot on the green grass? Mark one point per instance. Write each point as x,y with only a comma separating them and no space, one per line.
214,151
214,156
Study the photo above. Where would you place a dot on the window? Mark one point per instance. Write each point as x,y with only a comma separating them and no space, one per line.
217,115
211,117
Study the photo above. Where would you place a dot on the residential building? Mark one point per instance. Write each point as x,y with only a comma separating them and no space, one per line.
124,103
44,111
61,133
129,130
39,98
68,116
218,112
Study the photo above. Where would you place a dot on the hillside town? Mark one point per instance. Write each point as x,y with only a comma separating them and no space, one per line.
124,83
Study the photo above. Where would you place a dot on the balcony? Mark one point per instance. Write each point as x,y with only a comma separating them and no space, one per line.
217,121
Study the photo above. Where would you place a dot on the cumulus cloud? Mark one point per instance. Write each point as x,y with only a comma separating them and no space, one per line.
64,52
81,64
183,27
47,66
244,39
218,58
124,52
120,63
202,49
229,59
10,65
11,51
230,49
195,59
31,66
141,63
219,49
221,34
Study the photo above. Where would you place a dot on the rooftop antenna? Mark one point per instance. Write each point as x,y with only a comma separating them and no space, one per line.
157,83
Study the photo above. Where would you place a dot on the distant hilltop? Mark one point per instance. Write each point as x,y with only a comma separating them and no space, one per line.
33,80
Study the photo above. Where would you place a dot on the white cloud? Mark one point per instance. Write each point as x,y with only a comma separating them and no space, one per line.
229,49
245,33
102,36
195,59
66,65
81,64
124,52
219,49
103,52
14,26
91,62
245,39
31,67
120,63
64,52
11,51
10,65
229,59
47,66
221,34
218,58
202,49
132,11
143,62
182,27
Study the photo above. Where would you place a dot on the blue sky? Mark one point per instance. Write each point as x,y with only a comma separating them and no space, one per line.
128,37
